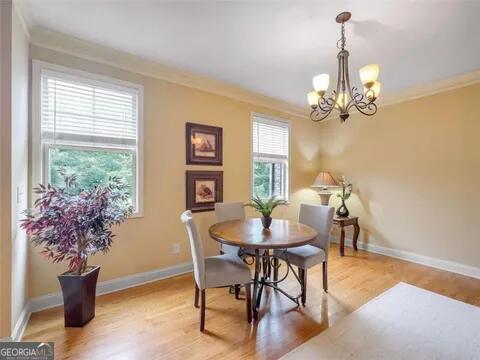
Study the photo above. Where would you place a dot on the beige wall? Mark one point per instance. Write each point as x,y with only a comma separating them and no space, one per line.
145,244
415,167
19,186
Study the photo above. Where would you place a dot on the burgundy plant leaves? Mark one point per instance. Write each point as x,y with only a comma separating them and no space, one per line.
72,225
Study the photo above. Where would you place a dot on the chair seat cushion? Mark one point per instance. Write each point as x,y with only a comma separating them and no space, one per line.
304,256
224,270
230,249
234,250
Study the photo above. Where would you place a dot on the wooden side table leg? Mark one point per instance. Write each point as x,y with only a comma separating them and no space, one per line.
342,241
355,236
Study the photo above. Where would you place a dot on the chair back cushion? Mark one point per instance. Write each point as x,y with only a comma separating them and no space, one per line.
196,247
229,211
320,218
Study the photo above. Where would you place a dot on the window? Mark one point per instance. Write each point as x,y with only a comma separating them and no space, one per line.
88,125
270,153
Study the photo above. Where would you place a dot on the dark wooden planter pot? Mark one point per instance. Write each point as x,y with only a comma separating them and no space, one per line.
79,296
266,222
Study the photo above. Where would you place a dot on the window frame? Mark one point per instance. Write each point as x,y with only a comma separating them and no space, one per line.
40,149
273,159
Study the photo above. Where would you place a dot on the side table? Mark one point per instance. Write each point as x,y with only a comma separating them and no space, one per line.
342,222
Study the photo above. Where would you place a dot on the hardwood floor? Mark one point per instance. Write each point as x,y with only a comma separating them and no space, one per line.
159,321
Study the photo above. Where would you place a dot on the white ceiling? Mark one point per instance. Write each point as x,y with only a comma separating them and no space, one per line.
274,48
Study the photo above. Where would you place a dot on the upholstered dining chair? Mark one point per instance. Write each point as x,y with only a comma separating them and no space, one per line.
304,257
215,271
226,212
233,211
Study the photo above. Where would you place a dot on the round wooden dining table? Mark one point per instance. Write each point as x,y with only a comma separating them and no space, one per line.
256,242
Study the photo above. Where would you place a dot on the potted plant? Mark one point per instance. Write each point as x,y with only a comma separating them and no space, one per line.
266,207
342,211
71,224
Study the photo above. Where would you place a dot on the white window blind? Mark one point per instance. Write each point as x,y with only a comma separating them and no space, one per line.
270,138
83,111
270,158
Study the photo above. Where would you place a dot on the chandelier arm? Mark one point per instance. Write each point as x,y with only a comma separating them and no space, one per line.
349,105
316,117
371,108
365,107
359,105
357,98
325,110
372,94
327,104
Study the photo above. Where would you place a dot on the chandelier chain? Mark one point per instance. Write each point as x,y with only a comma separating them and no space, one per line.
342,41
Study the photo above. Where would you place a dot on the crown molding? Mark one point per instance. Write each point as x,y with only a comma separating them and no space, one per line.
52,40
421,91
432,88
21,17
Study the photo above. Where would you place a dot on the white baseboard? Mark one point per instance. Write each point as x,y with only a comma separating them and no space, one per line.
105,287
416,258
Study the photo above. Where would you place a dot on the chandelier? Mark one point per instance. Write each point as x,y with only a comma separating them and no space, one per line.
345,97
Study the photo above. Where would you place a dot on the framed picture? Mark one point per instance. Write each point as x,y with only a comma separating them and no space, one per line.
203,144
204,189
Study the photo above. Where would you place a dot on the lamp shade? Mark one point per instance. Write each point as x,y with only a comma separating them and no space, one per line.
321,82
312,98
369,74
325,180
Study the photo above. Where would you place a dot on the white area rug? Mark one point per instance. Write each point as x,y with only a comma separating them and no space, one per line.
405,322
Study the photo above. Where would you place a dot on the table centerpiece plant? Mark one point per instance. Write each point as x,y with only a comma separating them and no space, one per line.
265,207
72,224
342,211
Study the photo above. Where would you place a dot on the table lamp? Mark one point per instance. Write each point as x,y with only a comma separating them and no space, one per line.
324,181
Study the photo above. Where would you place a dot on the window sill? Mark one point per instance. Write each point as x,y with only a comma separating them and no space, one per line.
137,215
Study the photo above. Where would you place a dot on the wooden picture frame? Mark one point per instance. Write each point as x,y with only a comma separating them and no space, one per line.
203,189
203,144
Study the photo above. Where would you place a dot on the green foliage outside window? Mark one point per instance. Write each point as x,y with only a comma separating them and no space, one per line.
262,179
92,167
